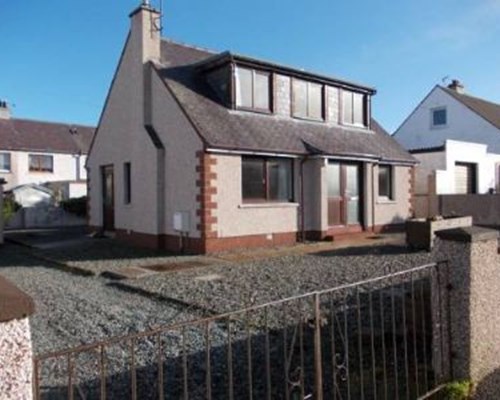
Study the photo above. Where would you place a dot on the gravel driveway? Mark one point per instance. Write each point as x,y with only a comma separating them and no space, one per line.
72,310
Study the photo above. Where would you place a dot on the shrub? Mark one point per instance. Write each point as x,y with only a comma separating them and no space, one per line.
10,207
77,206
460,390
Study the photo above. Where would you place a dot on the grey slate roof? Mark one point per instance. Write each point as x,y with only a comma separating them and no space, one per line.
223,128
486,109
49,137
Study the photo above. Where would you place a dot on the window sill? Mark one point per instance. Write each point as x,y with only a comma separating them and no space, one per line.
4,171
269,205
437,127
307,119
358,126
386,200
254,110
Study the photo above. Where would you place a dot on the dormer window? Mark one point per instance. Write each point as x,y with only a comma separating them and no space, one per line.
253,89
353,108
307,100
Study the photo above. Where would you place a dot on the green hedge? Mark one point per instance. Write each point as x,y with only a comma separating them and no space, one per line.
77,206
10,207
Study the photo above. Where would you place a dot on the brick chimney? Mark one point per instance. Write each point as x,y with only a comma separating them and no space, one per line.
145,32
4,110
457,86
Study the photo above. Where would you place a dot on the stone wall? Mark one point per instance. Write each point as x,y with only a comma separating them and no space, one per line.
16,366
282,98
15,359
473,286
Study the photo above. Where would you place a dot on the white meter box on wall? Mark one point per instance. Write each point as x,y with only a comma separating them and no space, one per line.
181,221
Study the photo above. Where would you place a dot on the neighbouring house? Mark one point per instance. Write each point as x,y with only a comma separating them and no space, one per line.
456,138
203,151
43,153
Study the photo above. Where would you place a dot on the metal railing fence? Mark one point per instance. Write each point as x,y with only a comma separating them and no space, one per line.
380,338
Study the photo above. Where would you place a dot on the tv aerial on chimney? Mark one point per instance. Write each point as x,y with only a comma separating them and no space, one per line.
158,22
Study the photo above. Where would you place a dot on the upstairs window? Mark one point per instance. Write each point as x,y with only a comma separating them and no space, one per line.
4,162
439,117
41,163
353,108
267,179
385,182
307,100
253,89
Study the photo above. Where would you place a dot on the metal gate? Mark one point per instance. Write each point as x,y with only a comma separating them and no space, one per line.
381,338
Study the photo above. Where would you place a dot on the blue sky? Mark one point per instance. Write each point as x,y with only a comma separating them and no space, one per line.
58,57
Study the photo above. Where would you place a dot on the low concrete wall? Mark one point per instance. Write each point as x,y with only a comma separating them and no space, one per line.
484,208
16,366
420,231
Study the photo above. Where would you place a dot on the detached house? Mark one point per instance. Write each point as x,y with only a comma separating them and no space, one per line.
206,151
456,137
39,152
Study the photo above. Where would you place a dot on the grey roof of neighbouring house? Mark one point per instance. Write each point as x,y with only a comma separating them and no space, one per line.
486,109
227,129
46,137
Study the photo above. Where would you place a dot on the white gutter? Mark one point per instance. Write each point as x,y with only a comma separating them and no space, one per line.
253,153
366,158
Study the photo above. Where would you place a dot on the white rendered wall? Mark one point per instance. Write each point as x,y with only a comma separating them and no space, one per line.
462,124
16,361
235,218
67,167
443,165
470,153
121,138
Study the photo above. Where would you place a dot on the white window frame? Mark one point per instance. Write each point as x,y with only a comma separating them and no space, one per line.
254,72
10,162
308,116
364,111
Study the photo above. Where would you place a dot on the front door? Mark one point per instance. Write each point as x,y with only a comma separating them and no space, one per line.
343,194
108,198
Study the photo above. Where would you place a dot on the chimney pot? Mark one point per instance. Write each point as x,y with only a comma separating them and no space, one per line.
457,86
4,110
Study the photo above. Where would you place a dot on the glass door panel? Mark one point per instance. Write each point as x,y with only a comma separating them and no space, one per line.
352,193
335,198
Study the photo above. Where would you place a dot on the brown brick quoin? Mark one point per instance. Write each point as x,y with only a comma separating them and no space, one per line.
412,191
205,198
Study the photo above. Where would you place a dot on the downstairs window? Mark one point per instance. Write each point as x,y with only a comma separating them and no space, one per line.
385,182
267,179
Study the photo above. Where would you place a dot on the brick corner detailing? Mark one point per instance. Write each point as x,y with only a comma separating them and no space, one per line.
207,203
